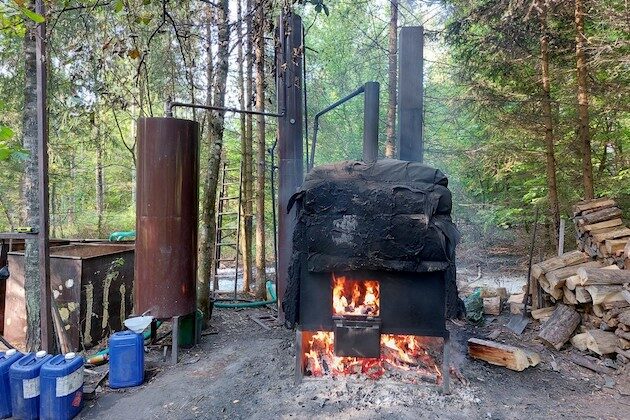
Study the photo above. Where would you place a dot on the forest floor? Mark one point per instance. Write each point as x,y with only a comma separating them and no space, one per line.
247,371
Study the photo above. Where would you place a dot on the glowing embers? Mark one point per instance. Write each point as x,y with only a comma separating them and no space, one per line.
405,358
355,297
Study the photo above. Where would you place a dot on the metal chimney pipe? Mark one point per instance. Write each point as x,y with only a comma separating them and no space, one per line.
370,121
410,94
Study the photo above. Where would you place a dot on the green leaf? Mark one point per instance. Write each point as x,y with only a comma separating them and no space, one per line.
118,6
35,17
5,152
5,133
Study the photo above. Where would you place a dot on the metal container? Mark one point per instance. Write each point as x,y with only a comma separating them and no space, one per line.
166,217
92,285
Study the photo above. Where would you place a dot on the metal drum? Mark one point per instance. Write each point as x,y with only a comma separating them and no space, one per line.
166,217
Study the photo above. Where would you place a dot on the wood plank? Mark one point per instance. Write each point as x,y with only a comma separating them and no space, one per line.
511,357
560,326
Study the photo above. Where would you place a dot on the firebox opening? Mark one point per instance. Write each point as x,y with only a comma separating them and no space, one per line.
406,358
353,297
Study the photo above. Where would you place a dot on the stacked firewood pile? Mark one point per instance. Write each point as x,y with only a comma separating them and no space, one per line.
586,293
600,232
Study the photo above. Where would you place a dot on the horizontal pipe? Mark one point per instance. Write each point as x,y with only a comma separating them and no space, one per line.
334,105
170,105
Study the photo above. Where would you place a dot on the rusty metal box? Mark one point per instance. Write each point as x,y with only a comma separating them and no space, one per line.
92,285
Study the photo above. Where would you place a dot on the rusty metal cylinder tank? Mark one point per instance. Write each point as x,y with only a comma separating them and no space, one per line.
166,217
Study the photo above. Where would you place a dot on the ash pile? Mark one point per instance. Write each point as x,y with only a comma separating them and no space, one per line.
388,215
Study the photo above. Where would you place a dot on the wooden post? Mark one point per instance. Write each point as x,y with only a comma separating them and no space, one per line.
561,238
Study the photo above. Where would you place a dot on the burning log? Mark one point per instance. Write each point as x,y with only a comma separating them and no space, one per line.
511,357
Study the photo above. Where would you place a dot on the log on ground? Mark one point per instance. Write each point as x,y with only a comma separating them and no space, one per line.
560,326
511,357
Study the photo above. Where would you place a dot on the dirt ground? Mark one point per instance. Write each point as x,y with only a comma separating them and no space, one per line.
246,371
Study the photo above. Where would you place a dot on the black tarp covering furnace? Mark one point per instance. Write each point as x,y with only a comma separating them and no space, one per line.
387,216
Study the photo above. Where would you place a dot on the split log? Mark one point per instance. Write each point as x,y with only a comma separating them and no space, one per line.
591,275
613,305
516,303
602,225
556,279
602,342
511,357
596,203
566,259
559,327
613,246
542,313
492,305
599,216
624,317
587,363
579,341
622,352
626,295
598,310
619,233
568,296
582,295
604,293
622,334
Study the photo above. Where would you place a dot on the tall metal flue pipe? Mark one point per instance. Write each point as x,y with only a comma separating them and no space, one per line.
410,94
370,121
290,139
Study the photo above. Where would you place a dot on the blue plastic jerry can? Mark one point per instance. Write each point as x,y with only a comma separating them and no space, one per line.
24,380
126,359
7,358
61,383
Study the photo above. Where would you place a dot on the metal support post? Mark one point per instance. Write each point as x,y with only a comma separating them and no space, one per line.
370,122
410,94
446,368
298,356
175,340
290,139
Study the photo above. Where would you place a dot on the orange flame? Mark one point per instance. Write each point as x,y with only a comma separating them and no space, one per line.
407,354
355,297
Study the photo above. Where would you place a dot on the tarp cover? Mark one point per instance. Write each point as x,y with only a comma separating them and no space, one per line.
390,215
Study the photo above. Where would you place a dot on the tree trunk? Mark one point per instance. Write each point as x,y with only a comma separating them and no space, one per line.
215,146
583,117
249,140
260,149
390,146
99,177
552,184
246,213
31,189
